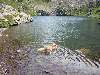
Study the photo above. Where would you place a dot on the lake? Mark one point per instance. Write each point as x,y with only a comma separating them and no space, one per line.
72,33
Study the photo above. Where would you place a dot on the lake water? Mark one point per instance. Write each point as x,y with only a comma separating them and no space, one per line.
74,33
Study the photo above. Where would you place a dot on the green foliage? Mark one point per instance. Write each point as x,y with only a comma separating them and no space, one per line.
10,19
4,24
46,0
1,11
33,13
93,55
96,13
42,0
26,6
7,22
20,0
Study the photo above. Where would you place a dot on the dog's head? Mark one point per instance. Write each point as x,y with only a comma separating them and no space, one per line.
56,42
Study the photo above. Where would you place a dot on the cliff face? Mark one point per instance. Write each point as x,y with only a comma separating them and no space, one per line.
10,16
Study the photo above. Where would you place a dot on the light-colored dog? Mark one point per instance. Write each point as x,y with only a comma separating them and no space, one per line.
48,49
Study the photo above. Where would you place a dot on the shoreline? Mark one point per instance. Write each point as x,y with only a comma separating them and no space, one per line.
2,30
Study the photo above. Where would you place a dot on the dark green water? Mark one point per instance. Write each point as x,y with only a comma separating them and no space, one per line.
71,32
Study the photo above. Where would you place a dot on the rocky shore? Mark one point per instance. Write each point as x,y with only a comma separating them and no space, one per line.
9,16
1,30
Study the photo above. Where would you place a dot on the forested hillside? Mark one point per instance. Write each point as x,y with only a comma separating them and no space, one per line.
54,7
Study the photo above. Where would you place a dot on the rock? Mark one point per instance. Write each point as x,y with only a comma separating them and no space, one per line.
0,34
6,35
1,16
43,13
18,50
12,15
98,23
1,30
23,18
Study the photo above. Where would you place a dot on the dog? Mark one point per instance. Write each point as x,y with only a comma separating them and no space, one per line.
49,49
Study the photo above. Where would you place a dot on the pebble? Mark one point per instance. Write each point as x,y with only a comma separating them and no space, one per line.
0,65
6,35
18,50
0,34
12,56
99,60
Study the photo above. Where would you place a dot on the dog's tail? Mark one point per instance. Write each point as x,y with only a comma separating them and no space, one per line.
41,49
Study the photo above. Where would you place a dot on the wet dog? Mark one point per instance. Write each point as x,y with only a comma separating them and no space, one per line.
49,49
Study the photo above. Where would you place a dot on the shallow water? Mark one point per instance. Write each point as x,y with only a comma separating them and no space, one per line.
19,46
